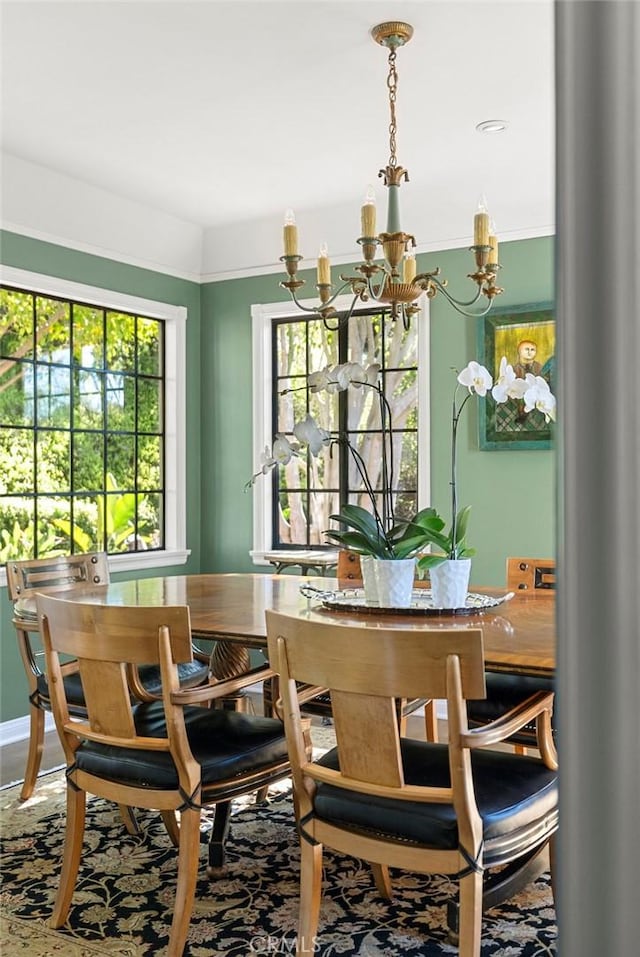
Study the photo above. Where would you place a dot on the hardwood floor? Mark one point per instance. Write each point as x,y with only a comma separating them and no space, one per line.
13,758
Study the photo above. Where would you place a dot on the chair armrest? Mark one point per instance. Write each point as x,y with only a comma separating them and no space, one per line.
223,688
199,654
69,668
538,707
304,694
309,692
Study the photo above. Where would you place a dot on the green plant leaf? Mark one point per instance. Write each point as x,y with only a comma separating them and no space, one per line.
357,517
357,542
430,561
428,518
462,520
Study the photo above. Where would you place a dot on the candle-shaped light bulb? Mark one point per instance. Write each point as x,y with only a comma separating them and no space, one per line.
368,214
493,242
481,225
324,268
290,234
409,268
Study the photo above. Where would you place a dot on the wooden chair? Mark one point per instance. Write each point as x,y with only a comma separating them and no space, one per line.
169,755
53,575
349,570
536,576
396,802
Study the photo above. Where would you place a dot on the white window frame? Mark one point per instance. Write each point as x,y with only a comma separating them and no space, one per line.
175,551
262,316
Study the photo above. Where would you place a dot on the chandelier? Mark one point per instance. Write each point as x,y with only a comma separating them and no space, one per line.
395,282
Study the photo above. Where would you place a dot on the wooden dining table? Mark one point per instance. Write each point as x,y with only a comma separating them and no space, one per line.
229,610
519,634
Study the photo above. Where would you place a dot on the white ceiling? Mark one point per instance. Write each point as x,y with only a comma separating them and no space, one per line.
221,114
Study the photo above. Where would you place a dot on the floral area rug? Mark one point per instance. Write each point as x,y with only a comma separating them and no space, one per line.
123,901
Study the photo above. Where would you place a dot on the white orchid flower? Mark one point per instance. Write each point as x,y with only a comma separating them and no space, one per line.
358,375
283,449
332,379
476,378
309,433
318,381
282,452
267,461
508,386
372,373
347,374
361,376
539,396
340,377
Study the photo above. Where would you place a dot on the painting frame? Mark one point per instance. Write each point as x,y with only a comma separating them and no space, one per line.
526,335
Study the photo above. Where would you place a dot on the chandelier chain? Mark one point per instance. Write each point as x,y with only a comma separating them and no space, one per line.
392,84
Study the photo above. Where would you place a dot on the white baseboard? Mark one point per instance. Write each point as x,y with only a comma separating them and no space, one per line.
18,728
441,710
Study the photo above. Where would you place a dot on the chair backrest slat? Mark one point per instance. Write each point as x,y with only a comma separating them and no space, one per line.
105,639
354,717
108,698
388,662
531,574
25,578
116,633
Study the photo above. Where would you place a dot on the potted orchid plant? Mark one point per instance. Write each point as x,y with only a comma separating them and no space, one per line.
371,532
374,533
449,569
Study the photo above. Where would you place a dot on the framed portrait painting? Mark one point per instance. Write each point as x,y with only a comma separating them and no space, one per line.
526,335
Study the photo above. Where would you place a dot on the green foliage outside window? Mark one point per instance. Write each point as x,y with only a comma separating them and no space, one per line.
311,488
81,428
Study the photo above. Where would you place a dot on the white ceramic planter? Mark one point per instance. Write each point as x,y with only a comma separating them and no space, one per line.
394,580
369,583
450,583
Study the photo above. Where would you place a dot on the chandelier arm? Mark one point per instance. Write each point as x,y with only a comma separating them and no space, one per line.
460,306
339,320
377,294
467,313
318,310
299,304
356,296
441,286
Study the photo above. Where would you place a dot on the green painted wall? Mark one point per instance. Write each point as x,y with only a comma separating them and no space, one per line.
52,260
511,493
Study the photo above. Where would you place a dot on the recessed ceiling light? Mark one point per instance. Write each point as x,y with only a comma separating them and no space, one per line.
492,126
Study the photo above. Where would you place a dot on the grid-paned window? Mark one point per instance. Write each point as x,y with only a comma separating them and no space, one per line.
308,489
82,442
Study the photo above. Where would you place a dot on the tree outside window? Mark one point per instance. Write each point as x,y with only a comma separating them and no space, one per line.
81,428
308,489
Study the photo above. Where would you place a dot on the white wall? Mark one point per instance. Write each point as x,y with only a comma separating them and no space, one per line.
39,202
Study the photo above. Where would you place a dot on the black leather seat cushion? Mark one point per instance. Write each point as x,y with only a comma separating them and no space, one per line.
503,693
72,687
225,743
517,798
191,674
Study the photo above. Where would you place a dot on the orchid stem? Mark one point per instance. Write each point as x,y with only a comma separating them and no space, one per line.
455,418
